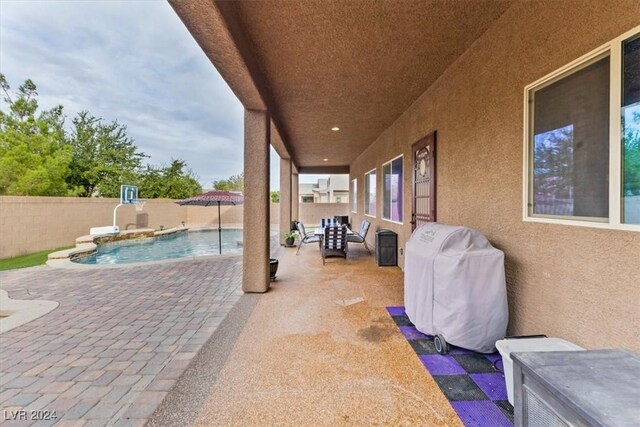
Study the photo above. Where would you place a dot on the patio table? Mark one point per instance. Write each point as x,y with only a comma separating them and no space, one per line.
320,232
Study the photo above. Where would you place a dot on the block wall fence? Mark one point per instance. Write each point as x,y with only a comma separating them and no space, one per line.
31,224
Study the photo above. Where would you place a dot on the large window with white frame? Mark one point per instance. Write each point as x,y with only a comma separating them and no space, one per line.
582,140
370,193
354,195
392,173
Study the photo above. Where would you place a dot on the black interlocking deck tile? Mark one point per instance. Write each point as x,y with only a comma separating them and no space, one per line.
423,346
475,363
459,387
402,320
505,407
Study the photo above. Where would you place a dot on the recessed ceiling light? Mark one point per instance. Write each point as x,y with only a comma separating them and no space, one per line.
325,160
335,128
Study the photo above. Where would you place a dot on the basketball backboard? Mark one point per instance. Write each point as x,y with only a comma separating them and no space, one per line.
128,194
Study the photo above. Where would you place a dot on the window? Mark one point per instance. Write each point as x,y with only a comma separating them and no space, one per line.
582,162
571,144
354,195
370,193
392,190
631,130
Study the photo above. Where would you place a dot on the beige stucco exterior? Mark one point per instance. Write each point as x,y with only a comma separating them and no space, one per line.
581,284
578,283
256,228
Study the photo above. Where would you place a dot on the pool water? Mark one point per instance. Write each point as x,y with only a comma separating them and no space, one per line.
181,245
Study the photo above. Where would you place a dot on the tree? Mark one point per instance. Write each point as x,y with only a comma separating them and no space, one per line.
233,183
39,157
104,157
34,158
173,182
631,186
553,159
275,196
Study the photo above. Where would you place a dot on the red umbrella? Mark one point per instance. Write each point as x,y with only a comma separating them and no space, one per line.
211,198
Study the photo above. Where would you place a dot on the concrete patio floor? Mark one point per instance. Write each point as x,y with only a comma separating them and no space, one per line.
118,341
318,349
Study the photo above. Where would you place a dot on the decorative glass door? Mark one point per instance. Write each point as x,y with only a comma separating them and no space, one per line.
424,181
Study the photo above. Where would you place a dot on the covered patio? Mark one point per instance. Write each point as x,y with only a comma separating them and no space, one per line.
371,89
389,75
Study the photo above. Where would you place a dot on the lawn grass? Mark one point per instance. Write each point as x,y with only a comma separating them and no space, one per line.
28,260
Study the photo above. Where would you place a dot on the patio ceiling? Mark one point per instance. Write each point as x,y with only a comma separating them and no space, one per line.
352,64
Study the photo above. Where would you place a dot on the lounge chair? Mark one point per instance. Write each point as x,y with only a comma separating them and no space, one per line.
361,235
334,242
305,237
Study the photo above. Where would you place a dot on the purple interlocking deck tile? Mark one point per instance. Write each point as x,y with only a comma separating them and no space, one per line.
396,311
411,333
480,413
496,359
493,357
493,385
441,365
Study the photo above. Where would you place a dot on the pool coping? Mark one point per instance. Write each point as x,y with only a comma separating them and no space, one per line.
68,264
86,245
20,311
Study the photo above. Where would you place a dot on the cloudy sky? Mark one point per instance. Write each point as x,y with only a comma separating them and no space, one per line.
131,61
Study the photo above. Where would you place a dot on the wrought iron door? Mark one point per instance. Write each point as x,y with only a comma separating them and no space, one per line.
423,207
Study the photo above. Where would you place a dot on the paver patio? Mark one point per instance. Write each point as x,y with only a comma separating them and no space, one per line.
118,341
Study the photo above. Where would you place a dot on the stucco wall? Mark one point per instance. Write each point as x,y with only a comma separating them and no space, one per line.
31,224
581,284
201,215
312,213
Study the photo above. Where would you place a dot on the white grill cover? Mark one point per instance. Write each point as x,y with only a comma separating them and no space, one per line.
454,285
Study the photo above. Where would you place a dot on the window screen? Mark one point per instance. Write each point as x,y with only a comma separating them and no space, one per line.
392,191
370,193
354,195
569,145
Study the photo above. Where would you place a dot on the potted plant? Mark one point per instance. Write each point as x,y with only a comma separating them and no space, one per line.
273,268
289,238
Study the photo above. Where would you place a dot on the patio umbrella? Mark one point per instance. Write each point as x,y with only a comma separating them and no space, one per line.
212,198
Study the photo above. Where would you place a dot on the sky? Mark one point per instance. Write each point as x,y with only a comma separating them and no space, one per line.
135,62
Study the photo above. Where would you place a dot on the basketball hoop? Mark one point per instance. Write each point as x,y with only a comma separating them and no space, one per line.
139,204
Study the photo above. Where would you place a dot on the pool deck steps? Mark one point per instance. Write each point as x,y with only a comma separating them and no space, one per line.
80,249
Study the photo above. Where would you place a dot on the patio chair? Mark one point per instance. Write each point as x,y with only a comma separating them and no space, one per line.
361,235
334,242
305,237
342,220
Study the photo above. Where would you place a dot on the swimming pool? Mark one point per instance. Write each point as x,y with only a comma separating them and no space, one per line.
180,245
